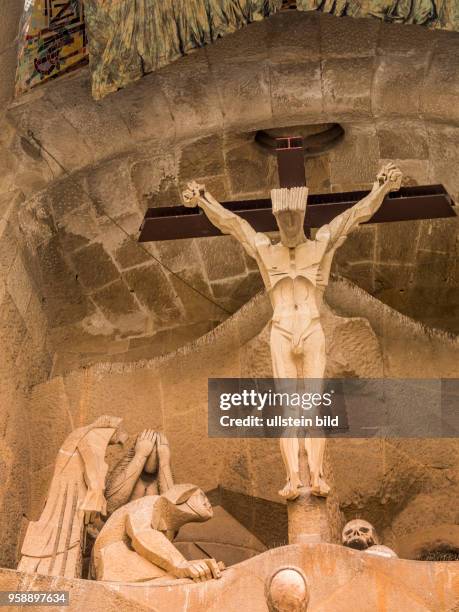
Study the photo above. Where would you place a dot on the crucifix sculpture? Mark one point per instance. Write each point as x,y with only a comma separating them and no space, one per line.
295,272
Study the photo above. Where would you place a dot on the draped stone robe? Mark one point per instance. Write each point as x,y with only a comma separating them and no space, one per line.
53,545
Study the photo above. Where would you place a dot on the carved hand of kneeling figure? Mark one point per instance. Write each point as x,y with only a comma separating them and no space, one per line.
199,570
145,443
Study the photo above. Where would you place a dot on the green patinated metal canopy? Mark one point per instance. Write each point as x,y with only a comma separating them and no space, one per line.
128,39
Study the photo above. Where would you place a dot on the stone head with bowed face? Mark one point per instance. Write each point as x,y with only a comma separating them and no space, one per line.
186,503
289,208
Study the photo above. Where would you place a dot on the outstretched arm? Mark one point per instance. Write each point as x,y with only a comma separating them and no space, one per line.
153,545
389,179
226,221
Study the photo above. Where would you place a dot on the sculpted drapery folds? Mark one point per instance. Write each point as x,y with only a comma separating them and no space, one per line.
129,39
53,545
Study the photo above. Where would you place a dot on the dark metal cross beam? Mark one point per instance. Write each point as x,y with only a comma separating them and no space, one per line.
409,203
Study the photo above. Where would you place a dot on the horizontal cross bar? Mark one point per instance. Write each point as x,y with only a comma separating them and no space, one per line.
409,203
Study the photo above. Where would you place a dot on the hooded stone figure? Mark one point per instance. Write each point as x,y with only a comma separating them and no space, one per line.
53,545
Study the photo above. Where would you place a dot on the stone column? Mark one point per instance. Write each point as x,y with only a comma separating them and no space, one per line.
308,521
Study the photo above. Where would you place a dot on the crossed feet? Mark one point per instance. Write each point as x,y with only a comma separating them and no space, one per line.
319,487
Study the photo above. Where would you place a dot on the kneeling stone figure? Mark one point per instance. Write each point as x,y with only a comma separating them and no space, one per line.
136,545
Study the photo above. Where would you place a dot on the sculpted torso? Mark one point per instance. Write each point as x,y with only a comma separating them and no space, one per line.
295,279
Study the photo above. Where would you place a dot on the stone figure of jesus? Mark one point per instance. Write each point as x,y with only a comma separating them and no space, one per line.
295,272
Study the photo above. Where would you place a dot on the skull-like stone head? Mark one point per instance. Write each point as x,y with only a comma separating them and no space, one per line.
359,534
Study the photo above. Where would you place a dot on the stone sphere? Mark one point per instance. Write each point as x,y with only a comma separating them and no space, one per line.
287,591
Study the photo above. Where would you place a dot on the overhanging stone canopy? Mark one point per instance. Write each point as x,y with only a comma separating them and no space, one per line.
130,39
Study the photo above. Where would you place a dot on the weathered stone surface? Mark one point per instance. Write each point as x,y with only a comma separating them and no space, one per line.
118,305
77,228
196,102
196,306
239,86
222,257
235,293
433,268
65,302
435,95
67,195
8,247
358,150
203,157
154,290
24,361
298,35
318,174
436,233
362,274
93,266
130,254
359,246
177,255
397,245
348,92
12,328
391,282
346,38
296,91
155,180
19,285
397,85
250,169
110,188
410,141
444,148
307,520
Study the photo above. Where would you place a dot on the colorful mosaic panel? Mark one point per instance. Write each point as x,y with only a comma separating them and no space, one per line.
52,41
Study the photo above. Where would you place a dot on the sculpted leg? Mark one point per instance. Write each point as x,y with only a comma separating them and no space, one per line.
284,366
314,360
315,448
290,455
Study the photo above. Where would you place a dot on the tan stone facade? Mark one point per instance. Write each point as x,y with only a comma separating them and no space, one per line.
92,322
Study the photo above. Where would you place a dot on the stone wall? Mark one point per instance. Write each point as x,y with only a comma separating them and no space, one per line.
24,356
126,43
91,169
109,297
339,580
170,393
24,361
88,170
